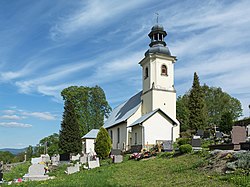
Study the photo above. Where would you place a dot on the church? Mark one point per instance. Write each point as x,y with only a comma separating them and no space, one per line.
148,117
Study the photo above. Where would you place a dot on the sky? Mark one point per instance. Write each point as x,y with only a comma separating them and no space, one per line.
46,46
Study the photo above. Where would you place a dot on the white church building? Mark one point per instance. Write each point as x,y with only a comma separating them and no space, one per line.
148,117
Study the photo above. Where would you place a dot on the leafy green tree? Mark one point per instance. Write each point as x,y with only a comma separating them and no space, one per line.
196,106
226,122
6,156
219,103
90,105
69,136
183,112
29,152
49,145
103,143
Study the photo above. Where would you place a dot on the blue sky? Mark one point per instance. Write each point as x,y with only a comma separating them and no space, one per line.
47,46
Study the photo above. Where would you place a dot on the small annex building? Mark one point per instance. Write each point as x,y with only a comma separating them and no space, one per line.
88,141
148,117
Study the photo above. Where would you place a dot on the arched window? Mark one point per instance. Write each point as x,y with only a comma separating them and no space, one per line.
146,73
164,70
111,135
118,135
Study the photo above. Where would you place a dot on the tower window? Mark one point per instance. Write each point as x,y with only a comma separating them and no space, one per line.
146,73
111,135
164,70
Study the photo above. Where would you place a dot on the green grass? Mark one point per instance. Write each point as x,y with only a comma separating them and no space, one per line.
17,172
180,171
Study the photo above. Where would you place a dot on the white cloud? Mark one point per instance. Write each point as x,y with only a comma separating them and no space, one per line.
11,117
92,14
9,112
15,124
40,115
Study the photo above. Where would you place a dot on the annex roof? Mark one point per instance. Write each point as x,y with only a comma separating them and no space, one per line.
91,134
124,111
148,115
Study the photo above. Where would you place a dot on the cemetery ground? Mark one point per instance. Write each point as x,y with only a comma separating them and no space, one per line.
184,170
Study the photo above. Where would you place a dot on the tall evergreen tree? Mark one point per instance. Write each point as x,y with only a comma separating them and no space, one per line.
103,143
196,105
69,136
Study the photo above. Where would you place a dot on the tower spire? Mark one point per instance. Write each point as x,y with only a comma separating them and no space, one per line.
157,17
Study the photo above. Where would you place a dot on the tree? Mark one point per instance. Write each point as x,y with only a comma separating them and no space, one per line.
29,152
6,156
226,122
196,105
219,103
103,143
90,105
183,112
48,145
69,136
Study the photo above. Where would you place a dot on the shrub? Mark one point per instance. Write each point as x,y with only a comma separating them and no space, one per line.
183,141
103,143
166,154
186,148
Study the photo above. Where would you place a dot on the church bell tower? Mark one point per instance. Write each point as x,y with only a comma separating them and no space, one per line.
158,75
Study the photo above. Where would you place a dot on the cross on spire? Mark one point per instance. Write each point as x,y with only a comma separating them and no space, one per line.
157,17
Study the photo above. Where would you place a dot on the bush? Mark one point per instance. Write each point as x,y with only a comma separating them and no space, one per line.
183,141
166,154
186,148
103,143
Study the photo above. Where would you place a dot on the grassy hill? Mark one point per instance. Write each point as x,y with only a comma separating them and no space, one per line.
181,171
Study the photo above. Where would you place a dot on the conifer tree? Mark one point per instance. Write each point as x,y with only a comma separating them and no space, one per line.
196,105
103,143
69,136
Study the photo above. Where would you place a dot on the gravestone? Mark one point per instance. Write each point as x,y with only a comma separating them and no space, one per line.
206,134
248,130
1,171
200,133
45,158
36,160
83,159
74,158
116,152
117,158
36,173
167,145
196,143
55,160
65,157
238,136
218,135
94,163
73,169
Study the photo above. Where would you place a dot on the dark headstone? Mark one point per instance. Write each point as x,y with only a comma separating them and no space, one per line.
136,148
218,135
116,152
206,134
196,142
200,133
65,157
167,145
1,171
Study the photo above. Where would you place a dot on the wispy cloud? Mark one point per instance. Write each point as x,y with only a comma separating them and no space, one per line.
91,14
14,125
11,117
40,115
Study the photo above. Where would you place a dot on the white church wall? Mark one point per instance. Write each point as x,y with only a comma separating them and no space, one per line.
123,135
88,145
157,127
137,135
147,103
176,132
166,101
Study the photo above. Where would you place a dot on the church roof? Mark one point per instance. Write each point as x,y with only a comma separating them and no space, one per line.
91,134
124,111
148,115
